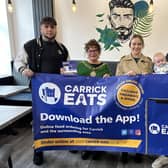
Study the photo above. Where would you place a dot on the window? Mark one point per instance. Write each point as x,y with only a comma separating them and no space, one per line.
5,52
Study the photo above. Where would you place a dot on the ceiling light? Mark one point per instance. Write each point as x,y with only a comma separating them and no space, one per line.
73,6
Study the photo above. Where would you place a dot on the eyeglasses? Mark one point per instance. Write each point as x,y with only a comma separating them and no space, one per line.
91,51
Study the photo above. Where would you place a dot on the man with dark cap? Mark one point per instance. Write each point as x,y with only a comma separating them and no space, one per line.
44,55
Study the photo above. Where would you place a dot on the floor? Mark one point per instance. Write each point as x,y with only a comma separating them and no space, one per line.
23,153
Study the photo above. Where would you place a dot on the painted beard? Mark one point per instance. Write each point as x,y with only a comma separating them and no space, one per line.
124,33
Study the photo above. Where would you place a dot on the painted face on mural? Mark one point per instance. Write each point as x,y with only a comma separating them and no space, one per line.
121,19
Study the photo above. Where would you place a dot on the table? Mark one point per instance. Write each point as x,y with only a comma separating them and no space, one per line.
9,114
9,90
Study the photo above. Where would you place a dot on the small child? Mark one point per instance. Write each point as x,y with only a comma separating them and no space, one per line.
160,67
160,64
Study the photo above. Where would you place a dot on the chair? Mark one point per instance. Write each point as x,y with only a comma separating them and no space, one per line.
5,156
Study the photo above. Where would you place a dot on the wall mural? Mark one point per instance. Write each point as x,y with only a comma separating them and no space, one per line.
125,18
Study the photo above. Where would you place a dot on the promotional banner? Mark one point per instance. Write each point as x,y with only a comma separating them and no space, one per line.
158,125
90,113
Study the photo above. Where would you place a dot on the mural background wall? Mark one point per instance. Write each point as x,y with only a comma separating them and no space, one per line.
74,29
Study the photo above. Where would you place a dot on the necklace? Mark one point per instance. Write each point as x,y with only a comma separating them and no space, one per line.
93,69
93,73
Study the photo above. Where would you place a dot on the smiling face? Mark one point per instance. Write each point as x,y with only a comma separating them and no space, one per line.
93,54
136,46
93,50
48,31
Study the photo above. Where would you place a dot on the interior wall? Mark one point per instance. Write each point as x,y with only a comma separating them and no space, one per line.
22,24
75,29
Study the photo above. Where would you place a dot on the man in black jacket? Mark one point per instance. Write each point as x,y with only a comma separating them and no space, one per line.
44,55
